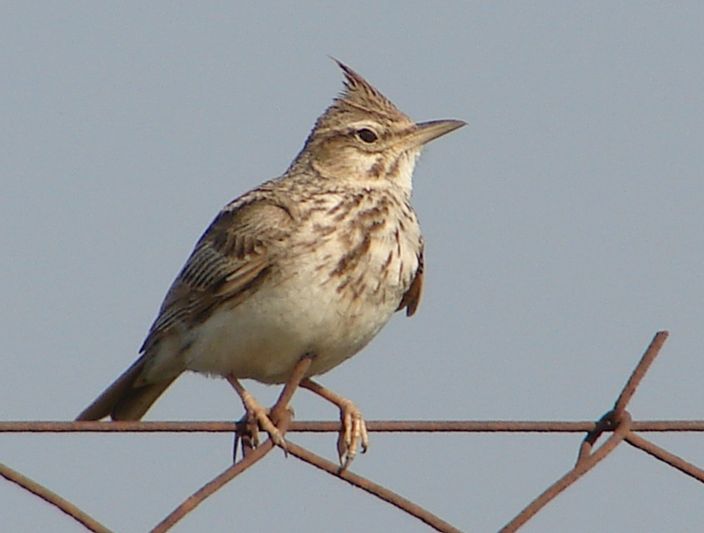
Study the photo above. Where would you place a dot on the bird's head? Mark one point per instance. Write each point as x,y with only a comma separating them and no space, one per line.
363,137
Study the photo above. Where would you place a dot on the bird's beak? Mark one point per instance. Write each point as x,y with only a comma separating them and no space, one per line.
424,132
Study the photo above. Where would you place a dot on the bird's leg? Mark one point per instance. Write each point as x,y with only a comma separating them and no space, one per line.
258,413
299,371
261,416
354,429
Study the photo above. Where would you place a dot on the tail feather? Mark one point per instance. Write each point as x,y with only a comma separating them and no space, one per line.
137,401
122,400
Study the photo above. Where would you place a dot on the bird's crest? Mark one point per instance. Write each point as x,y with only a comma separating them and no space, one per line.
361,94
359,99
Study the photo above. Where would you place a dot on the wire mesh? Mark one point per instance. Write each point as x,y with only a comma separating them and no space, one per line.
617,422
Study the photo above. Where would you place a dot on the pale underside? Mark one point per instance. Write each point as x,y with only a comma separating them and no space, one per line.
327,292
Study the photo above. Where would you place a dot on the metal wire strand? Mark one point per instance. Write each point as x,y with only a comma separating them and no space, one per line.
617,421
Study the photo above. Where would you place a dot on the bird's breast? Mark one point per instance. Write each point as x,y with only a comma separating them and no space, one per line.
334,287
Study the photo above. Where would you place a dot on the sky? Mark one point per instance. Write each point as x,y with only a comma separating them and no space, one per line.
563,228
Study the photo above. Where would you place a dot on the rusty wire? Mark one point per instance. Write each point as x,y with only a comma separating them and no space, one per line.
617,421
369,486
54,499
666,457
376,426
217,482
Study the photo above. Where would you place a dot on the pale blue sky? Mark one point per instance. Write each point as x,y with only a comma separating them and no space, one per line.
563,228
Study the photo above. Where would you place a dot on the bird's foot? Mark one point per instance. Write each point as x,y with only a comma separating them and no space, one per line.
353,433
257,418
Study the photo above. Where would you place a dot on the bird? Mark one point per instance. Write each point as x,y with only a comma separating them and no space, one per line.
310,264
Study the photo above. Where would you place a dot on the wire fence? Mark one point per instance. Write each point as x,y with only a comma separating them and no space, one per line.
617,422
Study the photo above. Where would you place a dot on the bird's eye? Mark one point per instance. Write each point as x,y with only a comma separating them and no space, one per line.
367,135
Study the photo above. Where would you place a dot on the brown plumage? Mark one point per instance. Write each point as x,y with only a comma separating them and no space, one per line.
312,263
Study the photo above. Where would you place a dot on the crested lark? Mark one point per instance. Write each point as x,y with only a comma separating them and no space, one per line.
310,264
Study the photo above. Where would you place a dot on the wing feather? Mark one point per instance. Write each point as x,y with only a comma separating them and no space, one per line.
232,257
411,298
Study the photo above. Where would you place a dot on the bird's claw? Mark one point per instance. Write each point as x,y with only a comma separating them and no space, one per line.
353,434
255,419
263,421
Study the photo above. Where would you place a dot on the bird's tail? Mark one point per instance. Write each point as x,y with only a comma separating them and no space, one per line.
123,400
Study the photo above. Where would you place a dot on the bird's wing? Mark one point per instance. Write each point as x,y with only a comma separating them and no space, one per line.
411,298
229,261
